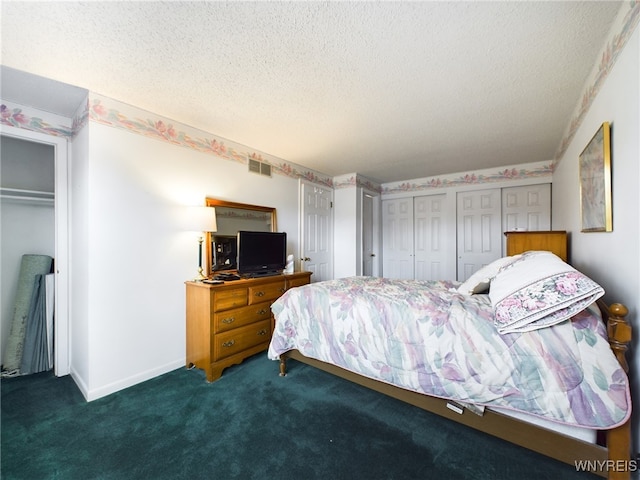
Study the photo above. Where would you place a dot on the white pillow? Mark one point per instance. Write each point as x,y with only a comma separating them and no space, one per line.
480,281
540,290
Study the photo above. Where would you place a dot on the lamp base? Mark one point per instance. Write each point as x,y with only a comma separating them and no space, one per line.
200,276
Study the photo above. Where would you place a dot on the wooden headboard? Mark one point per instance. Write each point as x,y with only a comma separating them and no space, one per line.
552,241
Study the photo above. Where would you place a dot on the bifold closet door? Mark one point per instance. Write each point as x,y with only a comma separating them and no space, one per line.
429,237
397,238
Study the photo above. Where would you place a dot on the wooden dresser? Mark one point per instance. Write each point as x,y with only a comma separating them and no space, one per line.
229,322
552,241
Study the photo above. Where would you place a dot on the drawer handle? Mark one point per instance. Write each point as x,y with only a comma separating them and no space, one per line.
228,320
262,332
262,311
259,294
230,343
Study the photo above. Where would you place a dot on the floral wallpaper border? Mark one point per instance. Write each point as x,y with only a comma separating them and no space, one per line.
22,117
81,117
352,180
520,172
107,111
608,58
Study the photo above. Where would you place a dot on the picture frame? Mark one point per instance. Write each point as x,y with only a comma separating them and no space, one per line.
595,182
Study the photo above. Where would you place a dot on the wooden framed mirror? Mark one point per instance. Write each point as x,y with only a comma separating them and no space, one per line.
231,217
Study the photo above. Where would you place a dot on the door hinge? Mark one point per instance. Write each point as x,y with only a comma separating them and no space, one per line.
331,204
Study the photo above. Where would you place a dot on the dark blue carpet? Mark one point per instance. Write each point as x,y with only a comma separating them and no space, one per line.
250,424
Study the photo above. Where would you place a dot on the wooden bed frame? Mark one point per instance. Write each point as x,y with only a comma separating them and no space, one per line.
611,460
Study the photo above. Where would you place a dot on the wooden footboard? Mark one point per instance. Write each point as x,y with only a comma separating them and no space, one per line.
611,461
618,439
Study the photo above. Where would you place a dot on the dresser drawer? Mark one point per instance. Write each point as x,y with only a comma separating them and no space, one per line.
268,291
238,317
233,341
226,299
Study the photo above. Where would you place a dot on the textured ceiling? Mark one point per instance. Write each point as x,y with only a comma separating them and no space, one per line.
390,90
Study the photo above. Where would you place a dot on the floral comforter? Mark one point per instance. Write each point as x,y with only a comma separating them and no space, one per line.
426,337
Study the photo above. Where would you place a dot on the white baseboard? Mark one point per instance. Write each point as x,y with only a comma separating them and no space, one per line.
79,382
96,393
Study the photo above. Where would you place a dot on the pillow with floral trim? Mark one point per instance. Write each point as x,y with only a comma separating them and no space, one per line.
539,290
479,282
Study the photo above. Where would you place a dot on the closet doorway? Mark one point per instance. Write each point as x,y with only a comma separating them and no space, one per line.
58,149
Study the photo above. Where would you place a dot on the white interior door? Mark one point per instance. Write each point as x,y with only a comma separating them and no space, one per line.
316,232
397,238
479,230
429,237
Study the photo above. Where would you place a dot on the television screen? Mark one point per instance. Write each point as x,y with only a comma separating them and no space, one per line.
261,253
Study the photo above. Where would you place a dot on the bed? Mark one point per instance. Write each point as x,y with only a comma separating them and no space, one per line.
503,352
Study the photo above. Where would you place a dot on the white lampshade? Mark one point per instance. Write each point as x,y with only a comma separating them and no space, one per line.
203,219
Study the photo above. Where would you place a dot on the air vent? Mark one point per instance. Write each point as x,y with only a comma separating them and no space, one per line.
265,169
254,166
257,166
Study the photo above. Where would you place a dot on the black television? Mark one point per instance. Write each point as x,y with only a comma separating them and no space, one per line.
261,253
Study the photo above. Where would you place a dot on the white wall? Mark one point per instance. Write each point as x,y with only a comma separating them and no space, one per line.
612,259
347,254
27,165
79,260
140,252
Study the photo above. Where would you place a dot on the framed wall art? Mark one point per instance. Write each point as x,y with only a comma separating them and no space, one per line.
595,182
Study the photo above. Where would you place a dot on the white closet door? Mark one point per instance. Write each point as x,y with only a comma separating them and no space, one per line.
526,208
369,260
479,230
397,238
316,231
429,237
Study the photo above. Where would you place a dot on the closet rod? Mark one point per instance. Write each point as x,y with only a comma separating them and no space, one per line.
27,195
